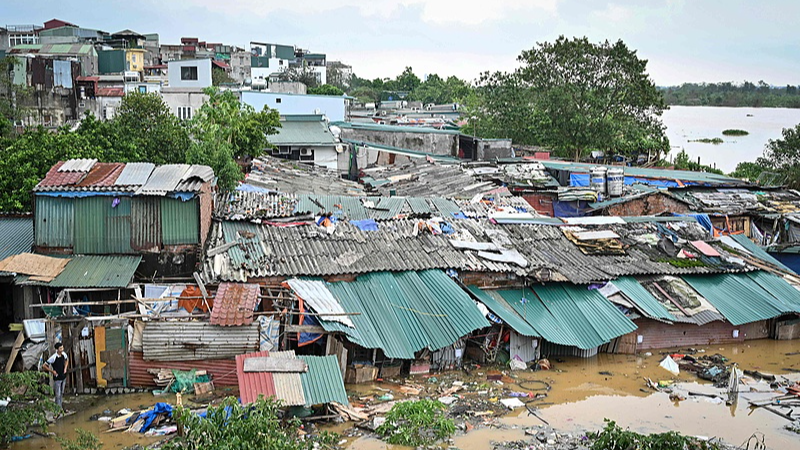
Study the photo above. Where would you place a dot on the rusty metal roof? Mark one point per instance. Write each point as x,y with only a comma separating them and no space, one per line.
234,304
102,174
142,178
253,384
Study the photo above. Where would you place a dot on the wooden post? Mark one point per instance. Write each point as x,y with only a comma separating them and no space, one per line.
75,332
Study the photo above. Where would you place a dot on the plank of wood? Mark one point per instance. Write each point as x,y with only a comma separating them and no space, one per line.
15,351
267,364
305,329
674,302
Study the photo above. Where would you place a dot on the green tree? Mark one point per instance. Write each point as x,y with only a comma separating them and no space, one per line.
219,77
783,156
233,426
225,130
326,89
146,130
407,81
30,402
590,96
500,106
748,170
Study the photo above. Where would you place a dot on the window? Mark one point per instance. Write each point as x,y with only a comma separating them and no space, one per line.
143,89
189,73
277,100
133,58
184,112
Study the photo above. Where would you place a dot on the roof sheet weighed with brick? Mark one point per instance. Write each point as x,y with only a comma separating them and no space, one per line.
143,178
234,304
402,313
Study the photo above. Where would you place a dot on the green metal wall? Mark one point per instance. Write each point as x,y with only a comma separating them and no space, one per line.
54,221
111,61
180,222
102,228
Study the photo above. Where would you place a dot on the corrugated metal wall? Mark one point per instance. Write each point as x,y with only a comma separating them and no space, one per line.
179,221
146,223
54,221
184,341
526,348
222,371
101,228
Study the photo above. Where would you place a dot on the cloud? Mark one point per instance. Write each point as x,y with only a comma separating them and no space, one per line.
431,11
615,13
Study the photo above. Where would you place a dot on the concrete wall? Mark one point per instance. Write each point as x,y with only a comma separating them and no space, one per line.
203,73
176,97
334,108
436,143
499,148
288,87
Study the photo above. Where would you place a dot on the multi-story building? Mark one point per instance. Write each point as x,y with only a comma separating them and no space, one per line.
13,35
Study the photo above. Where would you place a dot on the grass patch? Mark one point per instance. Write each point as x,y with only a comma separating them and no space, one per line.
715,141
416,423
735,132
612,437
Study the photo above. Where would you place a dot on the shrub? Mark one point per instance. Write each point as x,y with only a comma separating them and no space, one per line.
613,437
735,132
30,401
85,441
414,423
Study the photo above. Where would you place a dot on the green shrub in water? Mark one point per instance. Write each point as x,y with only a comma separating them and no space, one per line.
421,422
612,437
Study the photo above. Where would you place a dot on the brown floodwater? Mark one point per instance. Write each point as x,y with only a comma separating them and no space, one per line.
580,399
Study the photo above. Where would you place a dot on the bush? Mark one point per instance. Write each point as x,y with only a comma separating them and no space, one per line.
85,441
420,422
232,426
715,141
612,437
30,402
734,132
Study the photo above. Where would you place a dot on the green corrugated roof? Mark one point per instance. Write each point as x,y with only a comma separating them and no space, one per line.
497,304
778,288
564,314
738,297
632,171
757,251
643,298
97,271
590,317
402,313
323,382
303,133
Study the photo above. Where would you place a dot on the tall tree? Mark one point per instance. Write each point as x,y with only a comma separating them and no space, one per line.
225,130
783,156
148,131
407,81
590,96
500,106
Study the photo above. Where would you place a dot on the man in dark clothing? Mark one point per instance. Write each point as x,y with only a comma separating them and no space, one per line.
57,365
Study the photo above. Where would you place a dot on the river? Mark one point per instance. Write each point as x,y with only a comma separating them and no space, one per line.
686,123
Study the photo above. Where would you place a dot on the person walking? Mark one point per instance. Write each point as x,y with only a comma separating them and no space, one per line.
57,365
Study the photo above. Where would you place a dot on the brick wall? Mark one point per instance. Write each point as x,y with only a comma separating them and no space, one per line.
657,335
542,203
646,206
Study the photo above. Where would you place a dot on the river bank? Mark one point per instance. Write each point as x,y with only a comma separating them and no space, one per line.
582,393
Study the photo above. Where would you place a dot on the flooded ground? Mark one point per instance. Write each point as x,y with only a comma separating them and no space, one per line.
583,393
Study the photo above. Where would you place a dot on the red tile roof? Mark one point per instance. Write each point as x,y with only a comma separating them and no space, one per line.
220,64
102,174
56,178
110,92
234,304
253,384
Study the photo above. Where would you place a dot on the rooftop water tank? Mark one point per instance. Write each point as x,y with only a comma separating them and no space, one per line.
616,181
597,179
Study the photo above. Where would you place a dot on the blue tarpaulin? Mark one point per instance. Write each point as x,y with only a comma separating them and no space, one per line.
62,74
579,179
308,338
652,182
570,209
150,415
702,219
251,188
365,225
83,194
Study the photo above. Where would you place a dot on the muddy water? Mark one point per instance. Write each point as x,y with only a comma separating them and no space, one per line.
579,399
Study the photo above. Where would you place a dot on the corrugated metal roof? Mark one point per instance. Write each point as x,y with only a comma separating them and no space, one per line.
739,298
16,236
77,165
320,299
234,304
97,271
102,174
778,288
164,179
187,341
303,133
253,384
590,317
642,298
135,174
288,386
56,178
756,251
194,178
402,313
498,305
323,382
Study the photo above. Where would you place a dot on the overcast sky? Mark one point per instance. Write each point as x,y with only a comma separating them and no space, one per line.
692,40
